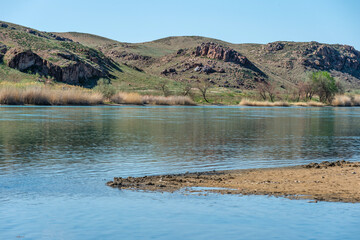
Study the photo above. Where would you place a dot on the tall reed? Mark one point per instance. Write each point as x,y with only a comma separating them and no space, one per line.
48,96
127,98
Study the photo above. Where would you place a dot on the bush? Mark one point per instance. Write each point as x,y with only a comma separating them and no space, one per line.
105,88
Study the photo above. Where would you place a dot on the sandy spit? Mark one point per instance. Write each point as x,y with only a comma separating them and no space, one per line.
327,181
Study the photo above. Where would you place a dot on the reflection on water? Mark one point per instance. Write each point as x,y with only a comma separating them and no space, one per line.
174,139
66,154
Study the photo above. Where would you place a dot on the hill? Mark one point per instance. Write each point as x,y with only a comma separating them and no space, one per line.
286,63
81,59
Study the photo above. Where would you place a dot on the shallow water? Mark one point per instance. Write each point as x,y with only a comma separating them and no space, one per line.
55,161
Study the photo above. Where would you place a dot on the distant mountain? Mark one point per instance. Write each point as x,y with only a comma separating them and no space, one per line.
81,59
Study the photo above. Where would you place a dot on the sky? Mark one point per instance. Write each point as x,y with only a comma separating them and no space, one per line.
249,21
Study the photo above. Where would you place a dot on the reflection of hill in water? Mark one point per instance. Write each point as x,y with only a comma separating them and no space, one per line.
177,137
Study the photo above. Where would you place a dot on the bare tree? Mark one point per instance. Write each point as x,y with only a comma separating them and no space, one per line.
307,89
271,91
264,89
261,88
187,89
203,87
163,86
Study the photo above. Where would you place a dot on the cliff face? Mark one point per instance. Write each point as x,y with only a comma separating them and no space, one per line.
75,72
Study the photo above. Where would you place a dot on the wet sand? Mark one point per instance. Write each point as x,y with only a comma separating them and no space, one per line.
328,181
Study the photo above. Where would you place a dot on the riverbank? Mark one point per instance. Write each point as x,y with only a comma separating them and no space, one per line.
328,181
23,94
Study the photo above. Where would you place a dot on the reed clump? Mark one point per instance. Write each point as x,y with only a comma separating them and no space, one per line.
127,98
355,100
170,100
247,102
48,96
342,101
346,101
308,104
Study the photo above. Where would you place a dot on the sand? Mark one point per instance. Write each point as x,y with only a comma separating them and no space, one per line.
328,181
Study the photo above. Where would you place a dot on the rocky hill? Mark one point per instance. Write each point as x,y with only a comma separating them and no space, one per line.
81,59
48,54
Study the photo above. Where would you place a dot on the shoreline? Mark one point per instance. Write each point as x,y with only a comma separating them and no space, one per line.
195,105
327,181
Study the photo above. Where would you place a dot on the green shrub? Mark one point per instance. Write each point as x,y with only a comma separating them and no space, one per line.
105,88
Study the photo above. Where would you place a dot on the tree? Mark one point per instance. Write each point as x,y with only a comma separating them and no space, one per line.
307,89
268,88
324,85
261,88
163,86
186,89
203,87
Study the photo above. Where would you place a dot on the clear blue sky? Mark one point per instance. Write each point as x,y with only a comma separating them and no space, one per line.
249,21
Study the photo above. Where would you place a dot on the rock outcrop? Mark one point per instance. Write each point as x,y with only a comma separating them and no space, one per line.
205,69
324,57
75,72
216,51
274,46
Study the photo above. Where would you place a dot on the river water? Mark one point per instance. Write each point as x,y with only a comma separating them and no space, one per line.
55,161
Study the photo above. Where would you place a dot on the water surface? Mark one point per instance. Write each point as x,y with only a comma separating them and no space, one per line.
55,161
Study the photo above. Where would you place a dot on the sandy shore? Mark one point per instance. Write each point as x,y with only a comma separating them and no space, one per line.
328,181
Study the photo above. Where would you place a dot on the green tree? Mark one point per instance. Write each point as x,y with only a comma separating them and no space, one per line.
324,85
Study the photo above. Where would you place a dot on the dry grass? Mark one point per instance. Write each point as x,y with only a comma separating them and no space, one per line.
342,101
247,102
127,98
171,100
135,98
308,104
48,96
356,100
346,101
